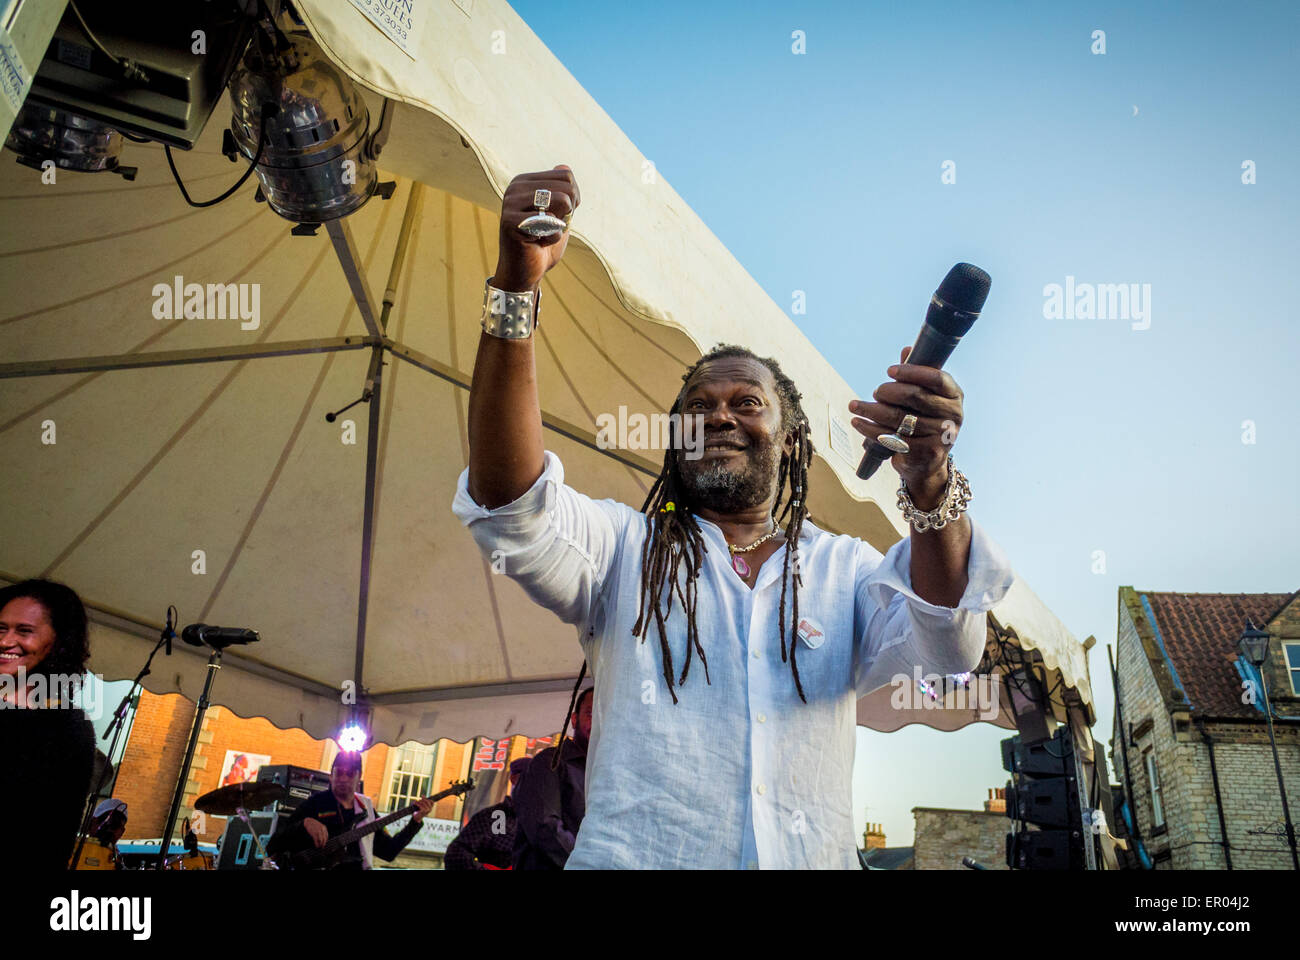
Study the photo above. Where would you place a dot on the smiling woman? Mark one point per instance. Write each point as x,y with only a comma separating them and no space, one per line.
43,630
47,743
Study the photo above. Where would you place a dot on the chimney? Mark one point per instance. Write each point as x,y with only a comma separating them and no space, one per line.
874,837
997,801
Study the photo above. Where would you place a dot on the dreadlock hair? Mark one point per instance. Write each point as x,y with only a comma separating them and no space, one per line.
673,537
575,704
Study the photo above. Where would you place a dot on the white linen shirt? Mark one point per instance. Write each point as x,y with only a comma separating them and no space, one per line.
740,773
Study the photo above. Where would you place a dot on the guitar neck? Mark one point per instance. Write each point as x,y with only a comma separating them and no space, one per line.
356,833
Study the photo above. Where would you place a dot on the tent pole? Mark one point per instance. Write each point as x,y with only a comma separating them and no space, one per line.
374,380
173,358
587,438
350,260
375,377
409,216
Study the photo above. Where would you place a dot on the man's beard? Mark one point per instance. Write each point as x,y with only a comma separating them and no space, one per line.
727,487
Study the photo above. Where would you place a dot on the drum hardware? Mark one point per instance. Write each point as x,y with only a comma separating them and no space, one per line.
93,855
227,801
193,858
190,861
237,799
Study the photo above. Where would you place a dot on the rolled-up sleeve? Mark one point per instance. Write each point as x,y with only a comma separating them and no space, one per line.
900,630
555,542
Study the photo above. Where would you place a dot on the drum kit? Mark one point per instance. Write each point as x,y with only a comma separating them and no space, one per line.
97,856
235,800
193,858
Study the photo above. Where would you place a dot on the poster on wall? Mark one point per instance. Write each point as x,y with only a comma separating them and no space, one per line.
241,767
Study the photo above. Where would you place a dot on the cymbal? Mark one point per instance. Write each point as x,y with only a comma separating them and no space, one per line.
226,801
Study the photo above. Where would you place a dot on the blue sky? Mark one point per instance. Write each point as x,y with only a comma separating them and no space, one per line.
1081,435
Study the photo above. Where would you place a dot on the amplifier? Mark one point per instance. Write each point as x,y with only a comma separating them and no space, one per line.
301,783
237,851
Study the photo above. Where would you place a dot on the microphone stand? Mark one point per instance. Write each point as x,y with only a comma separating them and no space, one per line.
115,728
214,664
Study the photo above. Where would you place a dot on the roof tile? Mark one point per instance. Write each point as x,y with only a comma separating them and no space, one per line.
1200,633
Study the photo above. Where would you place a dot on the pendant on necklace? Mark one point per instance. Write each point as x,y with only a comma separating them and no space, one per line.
739,565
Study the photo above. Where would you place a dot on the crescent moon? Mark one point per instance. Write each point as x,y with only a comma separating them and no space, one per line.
1135,110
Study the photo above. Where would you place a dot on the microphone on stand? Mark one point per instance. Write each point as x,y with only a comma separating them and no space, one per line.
169,631
954,308
201,635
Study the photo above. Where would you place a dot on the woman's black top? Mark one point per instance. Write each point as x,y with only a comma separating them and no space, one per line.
46,756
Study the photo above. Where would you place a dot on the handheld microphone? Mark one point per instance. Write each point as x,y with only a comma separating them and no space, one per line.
954,308
200,635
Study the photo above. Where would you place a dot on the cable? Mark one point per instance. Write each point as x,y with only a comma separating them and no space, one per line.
1010,668
269,110
129,68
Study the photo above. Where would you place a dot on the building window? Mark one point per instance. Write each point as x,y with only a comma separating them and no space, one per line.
1153,777
412,777
1292,651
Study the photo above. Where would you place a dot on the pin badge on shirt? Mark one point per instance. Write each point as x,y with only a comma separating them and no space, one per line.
810,632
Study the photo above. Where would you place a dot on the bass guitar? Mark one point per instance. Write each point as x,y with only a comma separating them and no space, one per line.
324,857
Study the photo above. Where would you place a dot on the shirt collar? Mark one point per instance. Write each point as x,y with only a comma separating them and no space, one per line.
358,805
808,529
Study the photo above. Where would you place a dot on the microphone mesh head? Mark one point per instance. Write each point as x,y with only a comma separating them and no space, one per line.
965,288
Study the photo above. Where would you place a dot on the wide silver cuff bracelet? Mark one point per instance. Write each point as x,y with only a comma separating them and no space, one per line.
510,315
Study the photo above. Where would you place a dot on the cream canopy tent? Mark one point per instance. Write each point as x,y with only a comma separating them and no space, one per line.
191,461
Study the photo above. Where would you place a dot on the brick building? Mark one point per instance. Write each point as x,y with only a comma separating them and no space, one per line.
1194,744
875,855
943,836
391,776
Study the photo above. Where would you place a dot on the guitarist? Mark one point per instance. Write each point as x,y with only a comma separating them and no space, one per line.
337,810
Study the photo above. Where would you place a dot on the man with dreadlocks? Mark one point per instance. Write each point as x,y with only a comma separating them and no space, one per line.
750,764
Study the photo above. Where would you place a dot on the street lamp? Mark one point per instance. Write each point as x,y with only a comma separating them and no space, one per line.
1253,644
1253,647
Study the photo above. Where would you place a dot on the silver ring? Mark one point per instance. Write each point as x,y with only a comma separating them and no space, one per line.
908,426
893,443
542,224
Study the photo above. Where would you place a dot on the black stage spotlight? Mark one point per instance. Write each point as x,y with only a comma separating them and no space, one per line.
42,134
